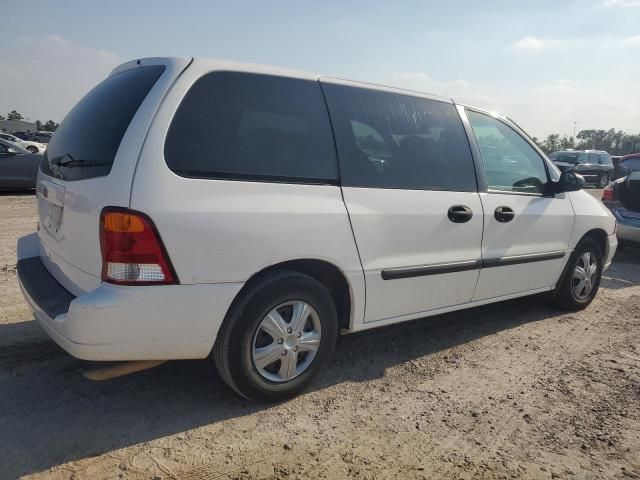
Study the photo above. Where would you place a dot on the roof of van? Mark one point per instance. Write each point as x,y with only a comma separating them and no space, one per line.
204,64
221,64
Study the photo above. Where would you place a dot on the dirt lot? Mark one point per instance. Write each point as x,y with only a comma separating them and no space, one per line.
515,390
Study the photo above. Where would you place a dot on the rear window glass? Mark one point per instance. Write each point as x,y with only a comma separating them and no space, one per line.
569,157
605,159
248,126
86,142
388,140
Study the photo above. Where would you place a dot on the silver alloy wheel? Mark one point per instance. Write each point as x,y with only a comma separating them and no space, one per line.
286,341
584,275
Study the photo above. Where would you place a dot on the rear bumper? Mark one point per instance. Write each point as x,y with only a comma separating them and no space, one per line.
127,323
628,229
629,234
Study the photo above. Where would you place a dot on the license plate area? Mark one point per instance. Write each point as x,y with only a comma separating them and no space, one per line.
51,199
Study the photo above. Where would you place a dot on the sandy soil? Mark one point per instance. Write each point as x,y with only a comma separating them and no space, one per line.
514,390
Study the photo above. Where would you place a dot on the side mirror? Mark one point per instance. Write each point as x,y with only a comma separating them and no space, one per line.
569,182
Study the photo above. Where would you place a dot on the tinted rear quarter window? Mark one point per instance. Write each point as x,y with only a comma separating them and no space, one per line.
389,140
248,126
93,129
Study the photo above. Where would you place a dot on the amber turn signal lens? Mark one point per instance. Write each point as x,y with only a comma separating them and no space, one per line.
122,222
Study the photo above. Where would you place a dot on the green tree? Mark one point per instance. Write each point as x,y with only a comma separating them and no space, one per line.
13,115
1,117
567,143
551,143
39,125
616,147
50,126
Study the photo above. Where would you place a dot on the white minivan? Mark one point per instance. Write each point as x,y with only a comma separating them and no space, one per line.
192,209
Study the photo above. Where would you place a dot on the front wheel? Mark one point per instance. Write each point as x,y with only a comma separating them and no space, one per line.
604,180
582,276
277,338
32,149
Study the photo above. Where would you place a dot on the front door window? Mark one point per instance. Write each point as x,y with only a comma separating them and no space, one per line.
510,163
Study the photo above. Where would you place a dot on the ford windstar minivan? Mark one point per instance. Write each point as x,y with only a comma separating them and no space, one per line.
192,209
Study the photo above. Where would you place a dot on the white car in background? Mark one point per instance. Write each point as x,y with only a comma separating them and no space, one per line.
33,147
193,209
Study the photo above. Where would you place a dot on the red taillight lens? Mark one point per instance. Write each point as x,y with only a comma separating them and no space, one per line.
132,252
608,194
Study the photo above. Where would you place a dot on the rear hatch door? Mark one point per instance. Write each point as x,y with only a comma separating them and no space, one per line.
90,163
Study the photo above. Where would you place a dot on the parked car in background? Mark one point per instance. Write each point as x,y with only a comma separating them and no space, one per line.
192,208
42,137
595,166
33,147
21,135
627,164
622,197
18,167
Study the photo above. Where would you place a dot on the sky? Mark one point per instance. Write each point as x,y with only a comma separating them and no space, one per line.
544,63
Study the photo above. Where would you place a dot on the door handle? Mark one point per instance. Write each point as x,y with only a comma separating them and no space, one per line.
504,214
459,214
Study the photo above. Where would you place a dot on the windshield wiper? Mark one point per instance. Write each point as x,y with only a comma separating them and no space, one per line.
72,162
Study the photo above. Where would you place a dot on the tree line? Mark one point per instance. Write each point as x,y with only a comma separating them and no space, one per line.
616,142
48,126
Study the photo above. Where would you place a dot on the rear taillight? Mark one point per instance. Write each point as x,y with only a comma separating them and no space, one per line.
132,251
608,193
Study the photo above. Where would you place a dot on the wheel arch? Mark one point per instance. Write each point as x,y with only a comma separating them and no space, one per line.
327,273
600,236
597,234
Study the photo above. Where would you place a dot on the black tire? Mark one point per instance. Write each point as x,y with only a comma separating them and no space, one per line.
32,149
603,181
565,296
232,352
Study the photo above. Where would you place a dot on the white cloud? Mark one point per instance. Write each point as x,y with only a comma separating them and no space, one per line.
422,82
635,40
622,3
43,77
412,76
537,44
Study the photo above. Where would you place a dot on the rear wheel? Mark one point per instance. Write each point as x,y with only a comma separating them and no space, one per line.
32,149
604,180
582,276
278,338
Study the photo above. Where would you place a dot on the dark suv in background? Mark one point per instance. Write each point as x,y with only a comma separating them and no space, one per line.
595,166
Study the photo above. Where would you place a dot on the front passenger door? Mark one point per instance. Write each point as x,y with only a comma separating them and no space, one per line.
526,232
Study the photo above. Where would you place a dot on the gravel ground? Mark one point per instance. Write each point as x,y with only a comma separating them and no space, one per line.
513,390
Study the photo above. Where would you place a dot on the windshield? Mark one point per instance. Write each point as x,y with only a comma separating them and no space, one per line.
91,133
